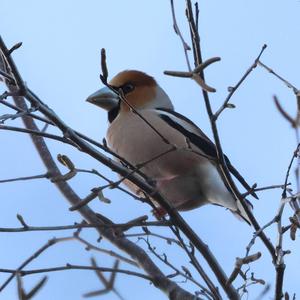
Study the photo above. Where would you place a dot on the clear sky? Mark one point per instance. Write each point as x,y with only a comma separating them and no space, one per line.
60,61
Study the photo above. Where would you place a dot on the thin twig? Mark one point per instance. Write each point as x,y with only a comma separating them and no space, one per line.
74,267
196,264
6,117
265,188
45,175
287,83
109,284
279,265
37,253
76,226
148,233
186,47
165,260
37,133
295,155
90,246
16,108
111,182
234,88
291,120
240,262
257,233
294,203
196,74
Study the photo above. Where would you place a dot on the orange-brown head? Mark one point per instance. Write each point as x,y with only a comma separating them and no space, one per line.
139,89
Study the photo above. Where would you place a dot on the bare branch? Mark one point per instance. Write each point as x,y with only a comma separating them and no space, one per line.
104,69
285,115
22,221
240,262
287,83
264,188
195,74
15,47
37,287
37,133
123,226
234,88
165,260
14,107
111,253
75,267
109,284
49,244
186,47
45,175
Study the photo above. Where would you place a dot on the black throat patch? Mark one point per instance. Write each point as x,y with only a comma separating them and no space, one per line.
113,113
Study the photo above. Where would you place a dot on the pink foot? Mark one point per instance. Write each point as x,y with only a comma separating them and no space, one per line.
159,212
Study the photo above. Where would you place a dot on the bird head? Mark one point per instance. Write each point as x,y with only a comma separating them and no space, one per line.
140,90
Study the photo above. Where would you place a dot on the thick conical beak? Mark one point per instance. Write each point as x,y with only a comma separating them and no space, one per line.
104,98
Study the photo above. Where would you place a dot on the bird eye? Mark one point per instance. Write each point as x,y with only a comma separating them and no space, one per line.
127,88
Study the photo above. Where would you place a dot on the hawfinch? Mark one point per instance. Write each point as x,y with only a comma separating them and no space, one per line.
143,126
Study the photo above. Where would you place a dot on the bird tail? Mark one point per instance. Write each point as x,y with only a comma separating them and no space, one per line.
241,213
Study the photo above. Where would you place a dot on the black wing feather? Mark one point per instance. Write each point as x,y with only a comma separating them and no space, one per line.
203,143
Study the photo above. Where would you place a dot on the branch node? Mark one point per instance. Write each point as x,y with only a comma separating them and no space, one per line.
196,74
22,221
65,161
104,69
13,48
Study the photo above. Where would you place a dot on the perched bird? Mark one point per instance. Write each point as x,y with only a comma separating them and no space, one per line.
143,126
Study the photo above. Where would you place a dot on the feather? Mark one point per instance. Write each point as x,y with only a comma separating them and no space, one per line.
199,139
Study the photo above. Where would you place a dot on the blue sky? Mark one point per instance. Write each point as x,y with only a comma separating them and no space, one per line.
60,61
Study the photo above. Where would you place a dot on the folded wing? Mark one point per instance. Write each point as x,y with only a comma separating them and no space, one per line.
195,136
